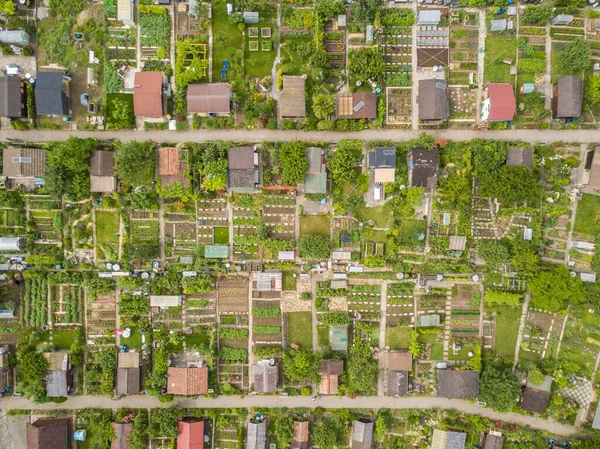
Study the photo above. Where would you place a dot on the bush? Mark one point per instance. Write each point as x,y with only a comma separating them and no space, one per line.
271,312
335,318
498,297
314,246
232,354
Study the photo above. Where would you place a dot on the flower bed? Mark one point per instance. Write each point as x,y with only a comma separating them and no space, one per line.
266,45
253,32
265,32
253,46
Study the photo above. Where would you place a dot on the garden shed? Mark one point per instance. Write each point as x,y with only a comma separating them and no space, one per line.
9,243
369,35
342,20
257,435
14,37
429,320
429,17
50,99
125,12
13,97
292,102
498,25
250,17
567,97
433,100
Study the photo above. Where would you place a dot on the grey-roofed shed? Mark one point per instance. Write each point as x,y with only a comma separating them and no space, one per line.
457,384
14,37
433,100
49,96
567,99
57,384
443,439
362,435
13,97
265,378
519,156
257,435
596,422
562,19
23,162
9,243
397,383
241,169
493,441
457,243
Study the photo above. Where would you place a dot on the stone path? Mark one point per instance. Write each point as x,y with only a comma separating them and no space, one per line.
480,61
382,325
521,327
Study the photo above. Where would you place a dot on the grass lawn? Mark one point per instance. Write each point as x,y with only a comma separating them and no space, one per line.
294,63
227,39
507,330
428,338
126,103
323,335
587,219
300,329
260,63
378,236
289,281
397,337
221,236
437,351
497,49
380,215
107,225
529,356
314,224
196,339
135,340
463,354
63,338
410,231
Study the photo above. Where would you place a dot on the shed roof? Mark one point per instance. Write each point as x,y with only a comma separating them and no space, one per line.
596,422
10,96
209,98
498,25
286,255
268,281
399,361
16,37
165,300
570,97
519,156
457,243
102,163
535,400
23,162
125,11
594,171
428,17
443,439
397,383
493,441
433,100
357,105
171,167
432,56
216,251
257,435
292,101
458,384
128,380
241,166
502,102
191,433
57,383
49,434
341,255
147,94
49,96
300,435
187,381
265,378
382,157
362,435
122,432
425,166
58,360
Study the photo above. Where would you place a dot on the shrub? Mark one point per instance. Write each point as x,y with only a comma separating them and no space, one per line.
335,318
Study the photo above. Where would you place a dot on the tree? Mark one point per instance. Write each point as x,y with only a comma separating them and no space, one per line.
67,168
553,290
493,253
139,434
366,63
281,428
112,82
293,160
592,90
499,388
313,246
341,165
163,422
576,57
536,377
499,297
323,106
414,347
122,114
32,367
510,185
328,433
362,369
301,366
135,162
456,189
488,155
525,260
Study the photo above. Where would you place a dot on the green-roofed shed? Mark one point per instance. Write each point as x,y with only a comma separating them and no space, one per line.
315,183
429,320
216,251
339,338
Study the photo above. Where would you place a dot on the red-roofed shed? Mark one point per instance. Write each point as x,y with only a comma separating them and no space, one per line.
501,104
191,434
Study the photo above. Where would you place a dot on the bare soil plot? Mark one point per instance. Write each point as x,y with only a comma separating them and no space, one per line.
101,316
232,295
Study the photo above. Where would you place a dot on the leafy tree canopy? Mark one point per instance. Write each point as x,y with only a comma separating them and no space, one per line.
323,106
488,155
341,165
576,57
499,388
511,185
292,156
135,163
494,253
525,258
67,168
366,63
302,366
553,290
362,369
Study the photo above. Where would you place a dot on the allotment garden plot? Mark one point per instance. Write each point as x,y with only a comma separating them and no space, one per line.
144,232
464,321
180,229
541,334
101,317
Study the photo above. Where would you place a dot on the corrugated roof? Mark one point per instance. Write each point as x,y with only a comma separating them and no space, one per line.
23,162
384,175
9,243
122,431
147,94
569,91
457,384
49,96
429,320
428,17
265,378
49,434
519,156
286,255
171,167
341,255
399,361
191,434
433,100
102,163
457,243
257,435
502,102
356,105
209,98
300,435
397,383
125,11
165,300
11,97
292,101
